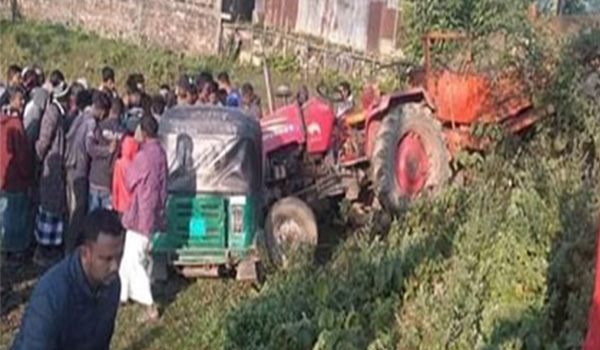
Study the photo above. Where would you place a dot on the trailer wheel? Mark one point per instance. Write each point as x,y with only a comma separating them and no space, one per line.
409,157
290,231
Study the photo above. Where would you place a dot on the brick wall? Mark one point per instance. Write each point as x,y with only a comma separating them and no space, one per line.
182,25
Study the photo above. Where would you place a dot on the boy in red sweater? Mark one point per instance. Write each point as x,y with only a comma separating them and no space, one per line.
15,177
121,196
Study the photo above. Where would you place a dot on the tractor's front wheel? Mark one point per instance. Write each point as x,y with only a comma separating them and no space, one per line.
291,231
409,156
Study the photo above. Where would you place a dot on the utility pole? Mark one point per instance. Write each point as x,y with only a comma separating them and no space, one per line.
267,76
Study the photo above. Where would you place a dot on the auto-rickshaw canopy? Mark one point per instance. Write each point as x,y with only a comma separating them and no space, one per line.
212,150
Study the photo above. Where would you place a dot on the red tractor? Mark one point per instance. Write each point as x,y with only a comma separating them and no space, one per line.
395,146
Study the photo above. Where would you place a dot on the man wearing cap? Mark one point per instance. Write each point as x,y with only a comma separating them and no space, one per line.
49,149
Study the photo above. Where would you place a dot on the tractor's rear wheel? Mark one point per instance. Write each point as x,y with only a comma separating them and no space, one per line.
290,231
409,157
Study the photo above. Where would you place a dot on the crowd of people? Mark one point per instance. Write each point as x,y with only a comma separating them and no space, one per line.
68,151
65,147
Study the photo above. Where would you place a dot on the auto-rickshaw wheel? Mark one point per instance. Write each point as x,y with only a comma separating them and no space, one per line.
291,232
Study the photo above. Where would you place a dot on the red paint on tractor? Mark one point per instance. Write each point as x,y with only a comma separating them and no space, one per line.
412,165
282,128
320,119
372,131
592,339
311,124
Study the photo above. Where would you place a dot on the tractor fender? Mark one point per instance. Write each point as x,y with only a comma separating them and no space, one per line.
385,104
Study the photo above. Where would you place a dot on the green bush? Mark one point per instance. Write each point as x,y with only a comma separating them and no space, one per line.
506,263
497,30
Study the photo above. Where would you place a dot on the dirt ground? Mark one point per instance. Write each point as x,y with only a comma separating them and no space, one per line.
16,287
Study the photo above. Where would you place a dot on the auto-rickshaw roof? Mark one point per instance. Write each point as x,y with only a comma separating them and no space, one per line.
212,150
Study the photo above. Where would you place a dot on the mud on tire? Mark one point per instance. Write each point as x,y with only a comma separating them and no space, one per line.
408,118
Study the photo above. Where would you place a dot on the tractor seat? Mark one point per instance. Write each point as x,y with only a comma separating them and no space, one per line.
355,117
358,114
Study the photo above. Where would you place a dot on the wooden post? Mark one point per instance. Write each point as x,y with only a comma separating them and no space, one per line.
558,7
307,62
219,18
395,38
267,75
14,10
72,14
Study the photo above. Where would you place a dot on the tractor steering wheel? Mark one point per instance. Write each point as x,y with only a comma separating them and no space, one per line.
327,93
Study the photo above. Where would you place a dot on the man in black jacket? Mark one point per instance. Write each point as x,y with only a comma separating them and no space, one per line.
75,303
